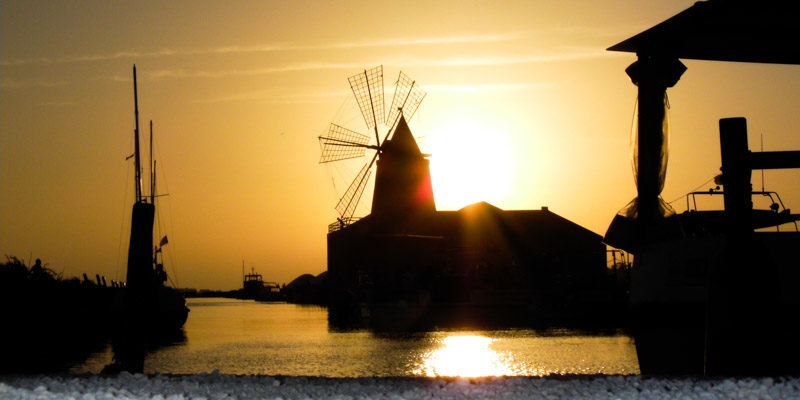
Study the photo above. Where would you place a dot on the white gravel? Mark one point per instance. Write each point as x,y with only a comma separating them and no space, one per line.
219,386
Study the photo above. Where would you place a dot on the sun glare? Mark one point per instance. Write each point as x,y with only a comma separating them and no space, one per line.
469,163
465,356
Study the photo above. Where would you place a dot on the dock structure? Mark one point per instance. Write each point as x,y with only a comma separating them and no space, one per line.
709,294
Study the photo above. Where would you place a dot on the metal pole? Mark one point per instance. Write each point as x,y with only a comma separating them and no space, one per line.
736,173
762,171
137,165
152,193
152,168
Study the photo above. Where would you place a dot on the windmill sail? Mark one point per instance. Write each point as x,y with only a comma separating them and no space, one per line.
407,97
347,204
368,89
342,144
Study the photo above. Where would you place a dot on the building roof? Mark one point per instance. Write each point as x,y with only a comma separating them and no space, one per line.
724,30
483,218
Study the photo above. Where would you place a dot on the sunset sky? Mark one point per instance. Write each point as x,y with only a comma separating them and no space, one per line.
525,109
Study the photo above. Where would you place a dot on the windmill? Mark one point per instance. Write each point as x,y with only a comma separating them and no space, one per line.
341,143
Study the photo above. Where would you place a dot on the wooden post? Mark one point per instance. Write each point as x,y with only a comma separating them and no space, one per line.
736,173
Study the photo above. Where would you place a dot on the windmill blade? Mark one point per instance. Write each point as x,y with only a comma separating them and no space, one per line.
368,89
347,204
407,97
341,144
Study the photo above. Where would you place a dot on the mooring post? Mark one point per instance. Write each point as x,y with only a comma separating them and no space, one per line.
736,173
743,286
721,284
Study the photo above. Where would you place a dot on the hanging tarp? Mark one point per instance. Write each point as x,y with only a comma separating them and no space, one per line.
638,221
657,149
723,30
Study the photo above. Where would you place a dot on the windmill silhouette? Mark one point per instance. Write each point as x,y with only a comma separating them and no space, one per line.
405,168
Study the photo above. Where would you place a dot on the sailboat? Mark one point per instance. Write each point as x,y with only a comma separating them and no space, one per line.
151,309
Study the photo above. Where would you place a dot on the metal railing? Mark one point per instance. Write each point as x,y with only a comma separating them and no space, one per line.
342,223
776,204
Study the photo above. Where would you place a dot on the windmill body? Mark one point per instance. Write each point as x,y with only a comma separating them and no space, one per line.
407,265
403,180
402,184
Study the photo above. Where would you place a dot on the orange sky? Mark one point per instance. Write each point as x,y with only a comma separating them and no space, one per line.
239,91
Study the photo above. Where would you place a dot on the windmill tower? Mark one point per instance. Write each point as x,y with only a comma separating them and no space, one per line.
402,182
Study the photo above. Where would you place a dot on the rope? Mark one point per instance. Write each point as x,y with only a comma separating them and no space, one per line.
693,190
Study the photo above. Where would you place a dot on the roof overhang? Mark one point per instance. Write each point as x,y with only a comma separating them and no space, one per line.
724,30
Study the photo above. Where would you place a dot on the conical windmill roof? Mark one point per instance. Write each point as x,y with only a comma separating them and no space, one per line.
402,140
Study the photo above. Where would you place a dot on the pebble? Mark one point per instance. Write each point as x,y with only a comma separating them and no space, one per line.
221,386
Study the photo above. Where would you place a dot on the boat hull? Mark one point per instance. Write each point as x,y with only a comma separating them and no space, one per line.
717,305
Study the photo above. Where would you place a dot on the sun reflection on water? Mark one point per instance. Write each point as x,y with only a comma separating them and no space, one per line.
466,356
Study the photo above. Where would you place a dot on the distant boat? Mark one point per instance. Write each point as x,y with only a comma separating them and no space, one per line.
254,288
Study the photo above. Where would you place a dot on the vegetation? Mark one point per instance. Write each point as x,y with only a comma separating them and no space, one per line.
50,322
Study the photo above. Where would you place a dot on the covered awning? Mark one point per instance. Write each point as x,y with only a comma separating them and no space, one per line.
724,30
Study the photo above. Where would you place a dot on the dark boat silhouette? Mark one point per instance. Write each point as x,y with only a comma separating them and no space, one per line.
711,292
255,288
149,311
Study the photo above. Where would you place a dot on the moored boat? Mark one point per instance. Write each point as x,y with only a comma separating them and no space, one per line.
711,292
149,311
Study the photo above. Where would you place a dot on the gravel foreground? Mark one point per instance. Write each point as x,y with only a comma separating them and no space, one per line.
219,386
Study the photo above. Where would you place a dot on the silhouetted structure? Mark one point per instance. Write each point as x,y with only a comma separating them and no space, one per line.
478,265
708,293
407,265
308,289
403,166
150,311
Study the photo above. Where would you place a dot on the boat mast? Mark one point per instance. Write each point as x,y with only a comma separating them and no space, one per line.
152,168
152,194
762,171
137,164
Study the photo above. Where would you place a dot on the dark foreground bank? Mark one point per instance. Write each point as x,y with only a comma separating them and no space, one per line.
217,386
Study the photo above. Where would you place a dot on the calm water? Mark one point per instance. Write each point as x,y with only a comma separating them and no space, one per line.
246,337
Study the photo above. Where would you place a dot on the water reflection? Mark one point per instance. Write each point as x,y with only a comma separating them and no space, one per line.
466,356
245,337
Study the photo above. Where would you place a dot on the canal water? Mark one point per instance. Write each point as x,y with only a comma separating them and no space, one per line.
247,337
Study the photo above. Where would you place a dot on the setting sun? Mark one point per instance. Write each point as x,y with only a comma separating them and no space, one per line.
470,162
